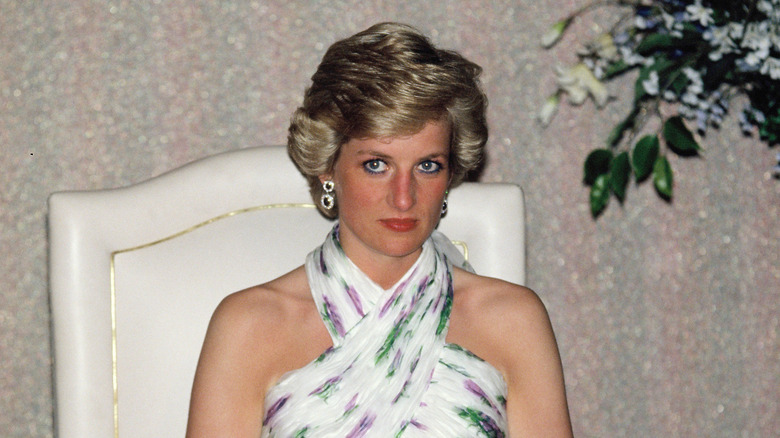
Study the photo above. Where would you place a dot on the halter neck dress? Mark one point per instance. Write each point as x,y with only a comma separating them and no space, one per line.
389,372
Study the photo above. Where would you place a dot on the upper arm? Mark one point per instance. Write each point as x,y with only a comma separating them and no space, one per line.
536,399
228,390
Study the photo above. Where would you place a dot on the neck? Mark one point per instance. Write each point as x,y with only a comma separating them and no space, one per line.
382,266
386,271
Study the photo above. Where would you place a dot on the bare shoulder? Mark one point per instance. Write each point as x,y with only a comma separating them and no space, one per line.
254,336
508,326
264,323
497,294
264,307
498,313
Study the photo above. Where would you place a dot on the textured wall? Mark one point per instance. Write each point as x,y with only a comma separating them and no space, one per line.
667,315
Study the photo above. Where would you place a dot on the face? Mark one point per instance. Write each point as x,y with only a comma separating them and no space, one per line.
390,191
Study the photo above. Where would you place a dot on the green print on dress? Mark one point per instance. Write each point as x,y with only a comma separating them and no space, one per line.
301,433
484,424
384,350
445,313
326,389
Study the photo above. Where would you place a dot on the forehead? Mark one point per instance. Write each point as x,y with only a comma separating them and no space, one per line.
433,138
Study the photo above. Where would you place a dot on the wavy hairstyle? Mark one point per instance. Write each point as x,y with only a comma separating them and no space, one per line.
387,81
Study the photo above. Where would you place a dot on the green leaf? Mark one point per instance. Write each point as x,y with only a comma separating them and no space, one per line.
617,132
619,174
662,177
639,89
597,164
679,138
644,156
616,69
654,42
680,83
599,195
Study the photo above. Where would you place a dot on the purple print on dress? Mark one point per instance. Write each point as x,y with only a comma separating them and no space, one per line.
363,426
333,317
323,266
475,389
326,389
355,298
275,408
351,405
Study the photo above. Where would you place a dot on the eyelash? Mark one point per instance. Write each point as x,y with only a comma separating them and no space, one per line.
367,165
437,167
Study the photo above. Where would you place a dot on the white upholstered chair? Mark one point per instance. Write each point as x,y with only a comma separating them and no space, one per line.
136,272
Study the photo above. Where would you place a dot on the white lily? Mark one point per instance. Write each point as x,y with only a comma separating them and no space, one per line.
549,109
700,13
605,47
579,82
771,68
554,34
651,84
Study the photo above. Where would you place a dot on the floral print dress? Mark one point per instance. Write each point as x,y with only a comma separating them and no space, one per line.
389,372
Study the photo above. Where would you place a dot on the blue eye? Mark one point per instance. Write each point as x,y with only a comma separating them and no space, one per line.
430,166
375,166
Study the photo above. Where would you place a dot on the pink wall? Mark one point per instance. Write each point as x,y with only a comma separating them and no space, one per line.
666,315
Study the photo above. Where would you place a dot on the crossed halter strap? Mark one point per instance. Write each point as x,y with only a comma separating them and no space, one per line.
387,346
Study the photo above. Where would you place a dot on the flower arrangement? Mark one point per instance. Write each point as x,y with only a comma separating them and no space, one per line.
692,57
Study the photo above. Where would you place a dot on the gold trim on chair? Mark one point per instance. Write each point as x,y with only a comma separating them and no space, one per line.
463,247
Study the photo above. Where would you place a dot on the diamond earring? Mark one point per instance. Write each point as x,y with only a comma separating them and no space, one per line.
328,200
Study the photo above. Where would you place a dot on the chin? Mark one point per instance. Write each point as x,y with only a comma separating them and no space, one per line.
400,246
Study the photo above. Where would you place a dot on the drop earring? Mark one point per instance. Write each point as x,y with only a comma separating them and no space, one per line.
444,205
328,200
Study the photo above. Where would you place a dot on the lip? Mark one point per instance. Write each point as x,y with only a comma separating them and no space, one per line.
400,225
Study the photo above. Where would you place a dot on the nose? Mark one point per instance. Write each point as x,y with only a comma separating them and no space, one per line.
403,191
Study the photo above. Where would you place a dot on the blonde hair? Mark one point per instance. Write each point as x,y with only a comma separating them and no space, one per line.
386,81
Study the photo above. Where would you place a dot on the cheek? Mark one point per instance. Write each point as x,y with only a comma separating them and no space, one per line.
356,194
435,194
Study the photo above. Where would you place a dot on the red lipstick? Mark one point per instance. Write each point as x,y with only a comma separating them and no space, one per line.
399,225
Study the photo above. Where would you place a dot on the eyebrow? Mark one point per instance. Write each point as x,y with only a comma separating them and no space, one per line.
386,156
371,152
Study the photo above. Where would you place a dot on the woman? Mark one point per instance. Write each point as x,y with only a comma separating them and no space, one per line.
384,331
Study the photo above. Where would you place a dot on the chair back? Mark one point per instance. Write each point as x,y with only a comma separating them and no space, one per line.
136,272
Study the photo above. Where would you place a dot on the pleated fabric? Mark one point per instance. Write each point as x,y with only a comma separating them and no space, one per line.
389,372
